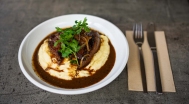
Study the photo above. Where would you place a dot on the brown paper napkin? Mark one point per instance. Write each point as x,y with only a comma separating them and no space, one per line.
134,74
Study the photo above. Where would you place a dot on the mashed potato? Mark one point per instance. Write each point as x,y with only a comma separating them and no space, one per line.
67,71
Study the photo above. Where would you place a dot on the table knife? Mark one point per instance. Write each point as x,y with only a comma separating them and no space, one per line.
152,44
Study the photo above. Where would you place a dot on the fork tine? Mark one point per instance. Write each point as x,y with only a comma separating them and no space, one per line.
140,34
138,31
138,26
141,31
134,30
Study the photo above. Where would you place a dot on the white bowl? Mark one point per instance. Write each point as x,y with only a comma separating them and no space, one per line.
36,35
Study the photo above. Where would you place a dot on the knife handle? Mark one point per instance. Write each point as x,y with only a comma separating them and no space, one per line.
143,73
157,73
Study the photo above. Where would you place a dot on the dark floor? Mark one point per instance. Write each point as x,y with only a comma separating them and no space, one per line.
18,17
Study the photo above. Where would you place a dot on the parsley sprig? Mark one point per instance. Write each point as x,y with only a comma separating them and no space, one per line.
68,44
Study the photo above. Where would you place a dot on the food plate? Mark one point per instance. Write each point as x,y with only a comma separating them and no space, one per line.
36,35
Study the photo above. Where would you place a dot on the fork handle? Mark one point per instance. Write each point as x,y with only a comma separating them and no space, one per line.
157,73
143,73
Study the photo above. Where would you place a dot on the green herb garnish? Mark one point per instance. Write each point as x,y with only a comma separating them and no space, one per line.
69,45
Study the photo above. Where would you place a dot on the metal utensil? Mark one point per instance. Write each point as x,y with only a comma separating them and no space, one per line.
138,37
152,44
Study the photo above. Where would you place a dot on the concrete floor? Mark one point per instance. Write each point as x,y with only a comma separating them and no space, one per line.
17,18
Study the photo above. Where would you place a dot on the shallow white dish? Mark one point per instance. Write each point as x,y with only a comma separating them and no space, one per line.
37,34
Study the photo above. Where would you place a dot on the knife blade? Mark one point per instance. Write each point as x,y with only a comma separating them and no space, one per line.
152,44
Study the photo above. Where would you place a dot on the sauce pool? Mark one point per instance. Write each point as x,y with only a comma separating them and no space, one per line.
76,82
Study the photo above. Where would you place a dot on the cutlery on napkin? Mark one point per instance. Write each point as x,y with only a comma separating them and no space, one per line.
134,74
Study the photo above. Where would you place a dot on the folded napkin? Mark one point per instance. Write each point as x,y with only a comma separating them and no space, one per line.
134,73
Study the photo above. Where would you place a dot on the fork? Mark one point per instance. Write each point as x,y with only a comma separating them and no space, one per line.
138,37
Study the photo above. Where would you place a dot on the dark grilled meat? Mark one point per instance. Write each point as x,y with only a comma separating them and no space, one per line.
85,55
89,42
55,50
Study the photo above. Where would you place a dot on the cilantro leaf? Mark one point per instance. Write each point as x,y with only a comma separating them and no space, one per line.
74,45
68,44
63,46
59,29
66,52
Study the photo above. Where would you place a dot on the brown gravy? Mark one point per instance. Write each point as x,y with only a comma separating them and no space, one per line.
76,82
